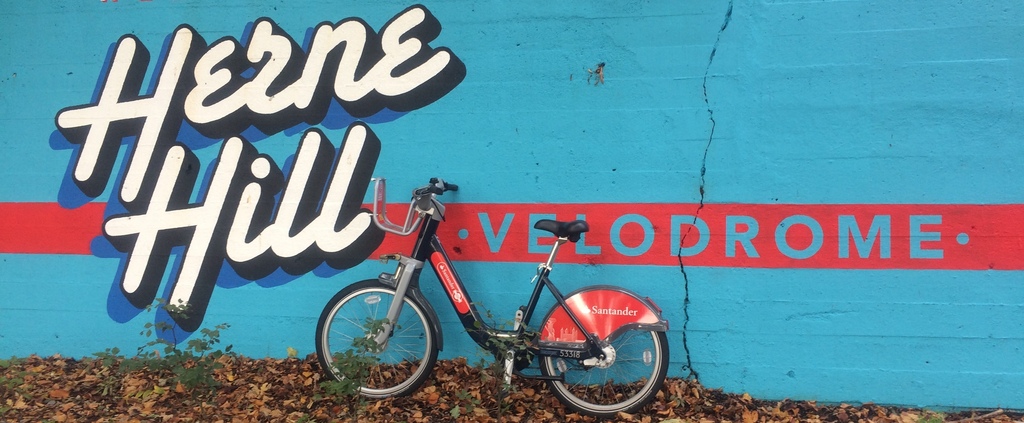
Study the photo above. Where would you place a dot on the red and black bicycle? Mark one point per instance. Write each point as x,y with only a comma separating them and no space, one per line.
602,349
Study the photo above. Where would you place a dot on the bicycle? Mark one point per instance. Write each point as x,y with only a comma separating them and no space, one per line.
602,349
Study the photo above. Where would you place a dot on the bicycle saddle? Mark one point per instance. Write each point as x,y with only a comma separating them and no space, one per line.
571,230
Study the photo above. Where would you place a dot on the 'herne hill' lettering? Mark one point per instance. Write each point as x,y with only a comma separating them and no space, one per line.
221,90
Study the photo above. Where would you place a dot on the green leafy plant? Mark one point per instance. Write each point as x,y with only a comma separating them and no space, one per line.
15,382
192,365
500,346
109,357
467,401
353,365
13,361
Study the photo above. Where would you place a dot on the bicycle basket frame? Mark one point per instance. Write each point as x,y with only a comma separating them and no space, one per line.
380,216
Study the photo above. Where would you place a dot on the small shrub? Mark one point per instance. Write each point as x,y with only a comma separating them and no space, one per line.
192,366
354,364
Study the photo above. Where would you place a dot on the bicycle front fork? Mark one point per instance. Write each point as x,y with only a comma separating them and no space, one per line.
402,279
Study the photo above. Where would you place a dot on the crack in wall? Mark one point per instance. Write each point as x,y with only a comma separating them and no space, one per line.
700,206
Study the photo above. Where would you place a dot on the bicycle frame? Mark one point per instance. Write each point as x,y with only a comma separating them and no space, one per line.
476,326
602,349
428,248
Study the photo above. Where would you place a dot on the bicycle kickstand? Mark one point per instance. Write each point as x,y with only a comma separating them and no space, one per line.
510,355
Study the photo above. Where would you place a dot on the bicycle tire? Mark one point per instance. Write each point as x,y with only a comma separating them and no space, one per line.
409,355
626,386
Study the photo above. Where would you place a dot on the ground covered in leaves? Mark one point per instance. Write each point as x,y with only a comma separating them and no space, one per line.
240,389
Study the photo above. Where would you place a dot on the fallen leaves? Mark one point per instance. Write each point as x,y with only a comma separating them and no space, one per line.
59,393
67,390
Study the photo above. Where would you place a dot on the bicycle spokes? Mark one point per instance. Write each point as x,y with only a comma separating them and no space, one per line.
350,325
625,379
603,349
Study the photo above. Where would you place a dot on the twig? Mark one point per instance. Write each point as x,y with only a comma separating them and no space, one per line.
983,416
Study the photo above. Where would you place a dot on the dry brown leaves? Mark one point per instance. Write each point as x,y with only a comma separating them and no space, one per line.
287,390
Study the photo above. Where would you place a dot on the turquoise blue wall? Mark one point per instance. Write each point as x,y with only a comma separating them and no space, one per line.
849,106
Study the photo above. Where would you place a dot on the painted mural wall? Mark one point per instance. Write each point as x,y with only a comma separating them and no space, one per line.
822,196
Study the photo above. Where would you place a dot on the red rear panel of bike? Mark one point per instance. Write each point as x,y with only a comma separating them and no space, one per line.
602,311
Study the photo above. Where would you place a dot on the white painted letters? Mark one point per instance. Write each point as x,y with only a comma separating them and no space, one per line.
271,83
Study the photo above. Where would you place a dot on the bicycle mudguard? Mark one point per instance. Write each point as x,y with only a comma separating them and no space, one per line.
434,321
605,311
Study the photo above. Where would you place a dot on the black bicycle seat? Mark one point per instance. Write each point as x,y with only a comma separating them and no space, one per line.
571,230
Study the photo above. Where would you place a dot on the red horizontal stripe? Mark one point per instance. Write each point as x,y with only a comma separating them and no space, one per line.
968,237
48,228
948,236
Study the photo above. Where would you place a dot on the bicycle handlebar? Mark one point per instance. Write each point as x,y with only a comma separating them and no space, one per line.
417,211
435,186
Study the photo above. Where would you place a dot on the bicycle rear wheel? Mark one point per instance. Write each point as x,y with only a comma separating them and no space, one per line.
629,383
402,364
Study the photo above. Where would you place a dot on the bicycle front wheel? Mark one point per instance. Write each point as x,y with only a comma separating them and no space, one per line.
626,385
350,318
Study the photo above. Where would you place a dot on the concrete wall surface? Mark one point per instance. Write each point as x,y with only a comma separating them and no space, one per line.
822,196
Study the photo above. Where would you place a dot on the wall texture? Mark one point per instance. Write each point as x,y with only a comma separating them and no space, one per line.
822,196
